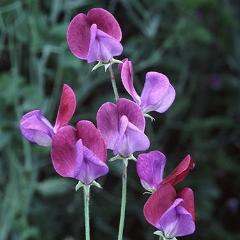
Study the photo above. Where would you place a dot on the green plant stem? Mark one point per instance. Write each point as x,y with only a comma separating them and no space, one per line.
113,81
86,191
124,198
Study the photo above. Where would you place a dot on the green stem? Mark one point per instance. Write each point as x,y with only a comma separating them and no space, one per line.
123,202
113,81
86,191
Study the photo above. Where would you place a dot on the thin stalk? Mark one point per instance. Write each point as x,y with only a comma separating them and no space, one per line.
86,191
124,198
113,81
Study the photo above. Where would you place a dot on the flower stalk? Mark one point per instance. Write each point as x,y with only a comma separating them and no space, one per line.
113,81
86,191
123,201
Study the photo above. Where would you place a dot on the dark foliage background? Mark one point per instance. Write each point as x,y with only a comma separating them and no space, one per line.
194,42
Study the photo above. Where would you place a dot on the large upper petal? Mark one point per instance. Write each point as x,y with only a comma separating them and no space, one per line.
66,108
105,21
180,172
103,47
150,167
78,36
130,139
187,195
176,221
127,80
36,128
66,160
132,111
92,139
158,203
157,93
107,123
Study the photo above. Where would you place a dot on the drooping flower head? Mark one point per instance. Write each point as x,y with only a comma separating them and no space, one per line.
79,153
170,212
150,169
37,129
157,94
95,36
122,126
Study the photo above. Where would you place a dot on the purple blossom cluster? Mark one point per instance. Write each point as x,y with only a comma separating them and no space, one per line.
80,151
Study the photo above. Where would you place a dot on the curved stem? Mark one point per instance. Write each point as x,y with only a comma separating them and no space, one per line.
86,191
113,81
123,202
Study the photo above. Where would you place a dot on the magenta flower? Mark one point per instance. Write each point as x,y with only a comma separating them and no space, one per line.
157,94
150,168
173,214
37,129
122,126
79,153
95,36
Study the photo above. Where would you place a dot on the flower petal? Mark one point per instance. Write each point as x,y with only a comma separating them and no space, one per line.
188,200
66,108
154,91
36,128
150,167
92,139
107,123
127,80
167,100
180,172
130,139
103,47
91,166
78,36
132,111
105,21
176,221
65,157
158,203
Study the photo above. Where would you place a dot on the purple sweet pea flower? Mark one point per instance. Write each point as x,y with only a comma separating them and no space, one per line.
37,129
157,94
150,169
79,153
95,36
122,126
173,214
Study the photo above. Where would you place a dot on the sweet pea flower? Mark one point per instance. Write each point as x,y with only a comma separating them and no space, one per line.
79,153
95,36
150,169
37,129
170,212
122,126
157,94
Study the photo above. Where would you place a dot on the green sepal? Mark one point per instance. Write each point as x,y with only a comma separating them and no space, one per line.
96,184
79,185
149,116
119,157
162,237
106,65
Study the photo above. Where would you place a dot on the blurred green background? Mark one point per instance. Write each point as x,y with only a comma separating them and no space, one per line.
196,43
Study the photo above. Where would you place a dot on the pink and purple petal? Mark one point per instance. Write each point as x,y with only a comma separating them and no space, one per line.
78,36
155,91
150,167
65,157
92,139
66,108
36,128
103,47
187,195
130,139
180,172
105,21
176,221
91,166
107,123
132,111
127,80
158,203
